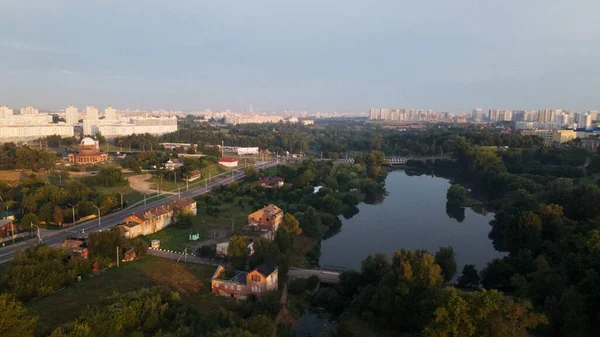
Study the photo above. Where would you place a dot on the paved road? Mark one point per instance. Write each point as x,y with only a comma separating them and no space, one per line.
113,219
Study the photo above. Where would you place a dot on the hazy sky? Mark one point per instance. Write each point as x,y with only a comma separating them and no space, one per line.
311,54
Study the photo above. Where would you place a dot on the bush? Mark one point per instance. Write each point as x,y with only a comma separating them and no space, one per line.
298,286
312,282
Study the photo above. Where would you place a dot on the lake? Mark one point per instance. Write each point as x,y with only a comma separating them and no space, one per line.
413,216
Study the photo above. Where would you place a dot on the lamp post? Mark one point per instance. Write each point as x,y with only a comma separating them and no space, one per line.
121,193
99,218
38,230
73,208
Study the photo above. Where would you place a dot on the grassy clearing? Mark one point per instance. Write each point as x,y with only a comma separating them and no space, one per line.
130,196
19,175
173,238
191,280
228,212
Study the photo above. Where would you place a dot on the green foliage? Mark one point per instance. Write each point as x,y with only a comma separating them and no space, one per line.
40,270
469,277
291,224
237,252
141,247
446,260
103,245
184,220
107,177
485,313
14,318
29,219
34,158
150,312
457,194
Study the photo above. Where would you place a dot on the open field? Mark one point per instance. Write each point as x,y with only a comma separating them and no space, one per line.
173,238
191,280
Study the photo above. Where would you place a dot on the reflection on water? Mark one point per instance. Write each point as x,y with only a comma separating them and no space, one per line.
413,215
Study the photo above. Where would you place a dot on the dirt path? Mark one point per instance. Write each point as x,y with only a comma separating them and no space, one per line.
283,310
140,184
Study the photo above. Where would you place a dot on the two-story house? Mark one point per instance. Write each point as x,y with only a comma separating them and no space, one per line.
241,284
266,219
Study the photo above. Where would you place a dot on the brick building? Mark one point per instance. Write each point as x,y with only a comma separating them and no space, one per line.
89,153
241,284
266,219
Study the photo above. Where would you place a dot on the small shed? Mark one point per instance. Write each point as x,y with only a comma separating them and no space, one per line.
155,244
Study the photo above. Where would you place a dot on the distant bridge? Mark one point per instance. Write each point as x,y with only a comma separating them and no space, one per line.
327,277
396,160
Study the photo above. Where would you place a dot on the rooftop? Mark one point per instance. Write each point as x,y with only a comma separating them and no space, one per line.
266,269
227,160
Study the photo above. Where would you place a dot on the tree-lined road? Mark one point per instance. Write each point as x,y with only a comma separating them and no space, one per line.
113,219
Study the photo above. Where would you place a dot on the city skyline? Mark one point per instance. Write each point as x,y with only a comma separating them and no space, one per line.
312,55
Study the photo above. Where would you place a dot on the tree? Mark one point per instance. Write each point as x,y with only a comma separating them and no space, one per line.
141,247
15,321
469,277
237,251
452,319
310,223
46,212
482,313
58,215
260,325
291,224
184,219
446,260
374,267
457,194
29,219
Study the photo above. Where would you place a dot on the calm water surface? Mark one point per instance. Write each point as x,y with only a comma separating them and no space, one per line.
412,216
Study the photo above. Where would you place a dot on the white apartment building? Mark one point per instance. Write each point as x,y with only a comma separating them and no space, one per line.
91,113
6,112
252,119
71,115
29,110
25,132
151,125
110,114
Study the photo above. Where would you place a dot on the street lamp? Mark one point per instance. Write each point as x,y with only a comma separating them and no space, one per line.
73,207
121,199
38,230
99,219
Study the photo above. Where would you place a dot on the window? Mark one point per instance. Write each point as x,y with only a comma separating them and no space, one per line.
226,286
256,278
239,288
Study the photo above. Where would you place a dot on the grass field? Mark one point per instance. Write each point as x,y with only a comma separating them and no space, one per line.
191,280
228,212
173,238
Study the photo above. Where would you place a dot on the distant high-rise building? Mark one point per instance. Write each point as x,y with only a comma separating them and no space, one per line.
71,115
29,110
504,115
110,114
493,115
91,113
477,115
375,114
6,112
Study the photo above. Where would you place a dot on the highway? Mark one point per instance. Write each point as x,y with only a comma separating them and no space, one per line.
113,219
